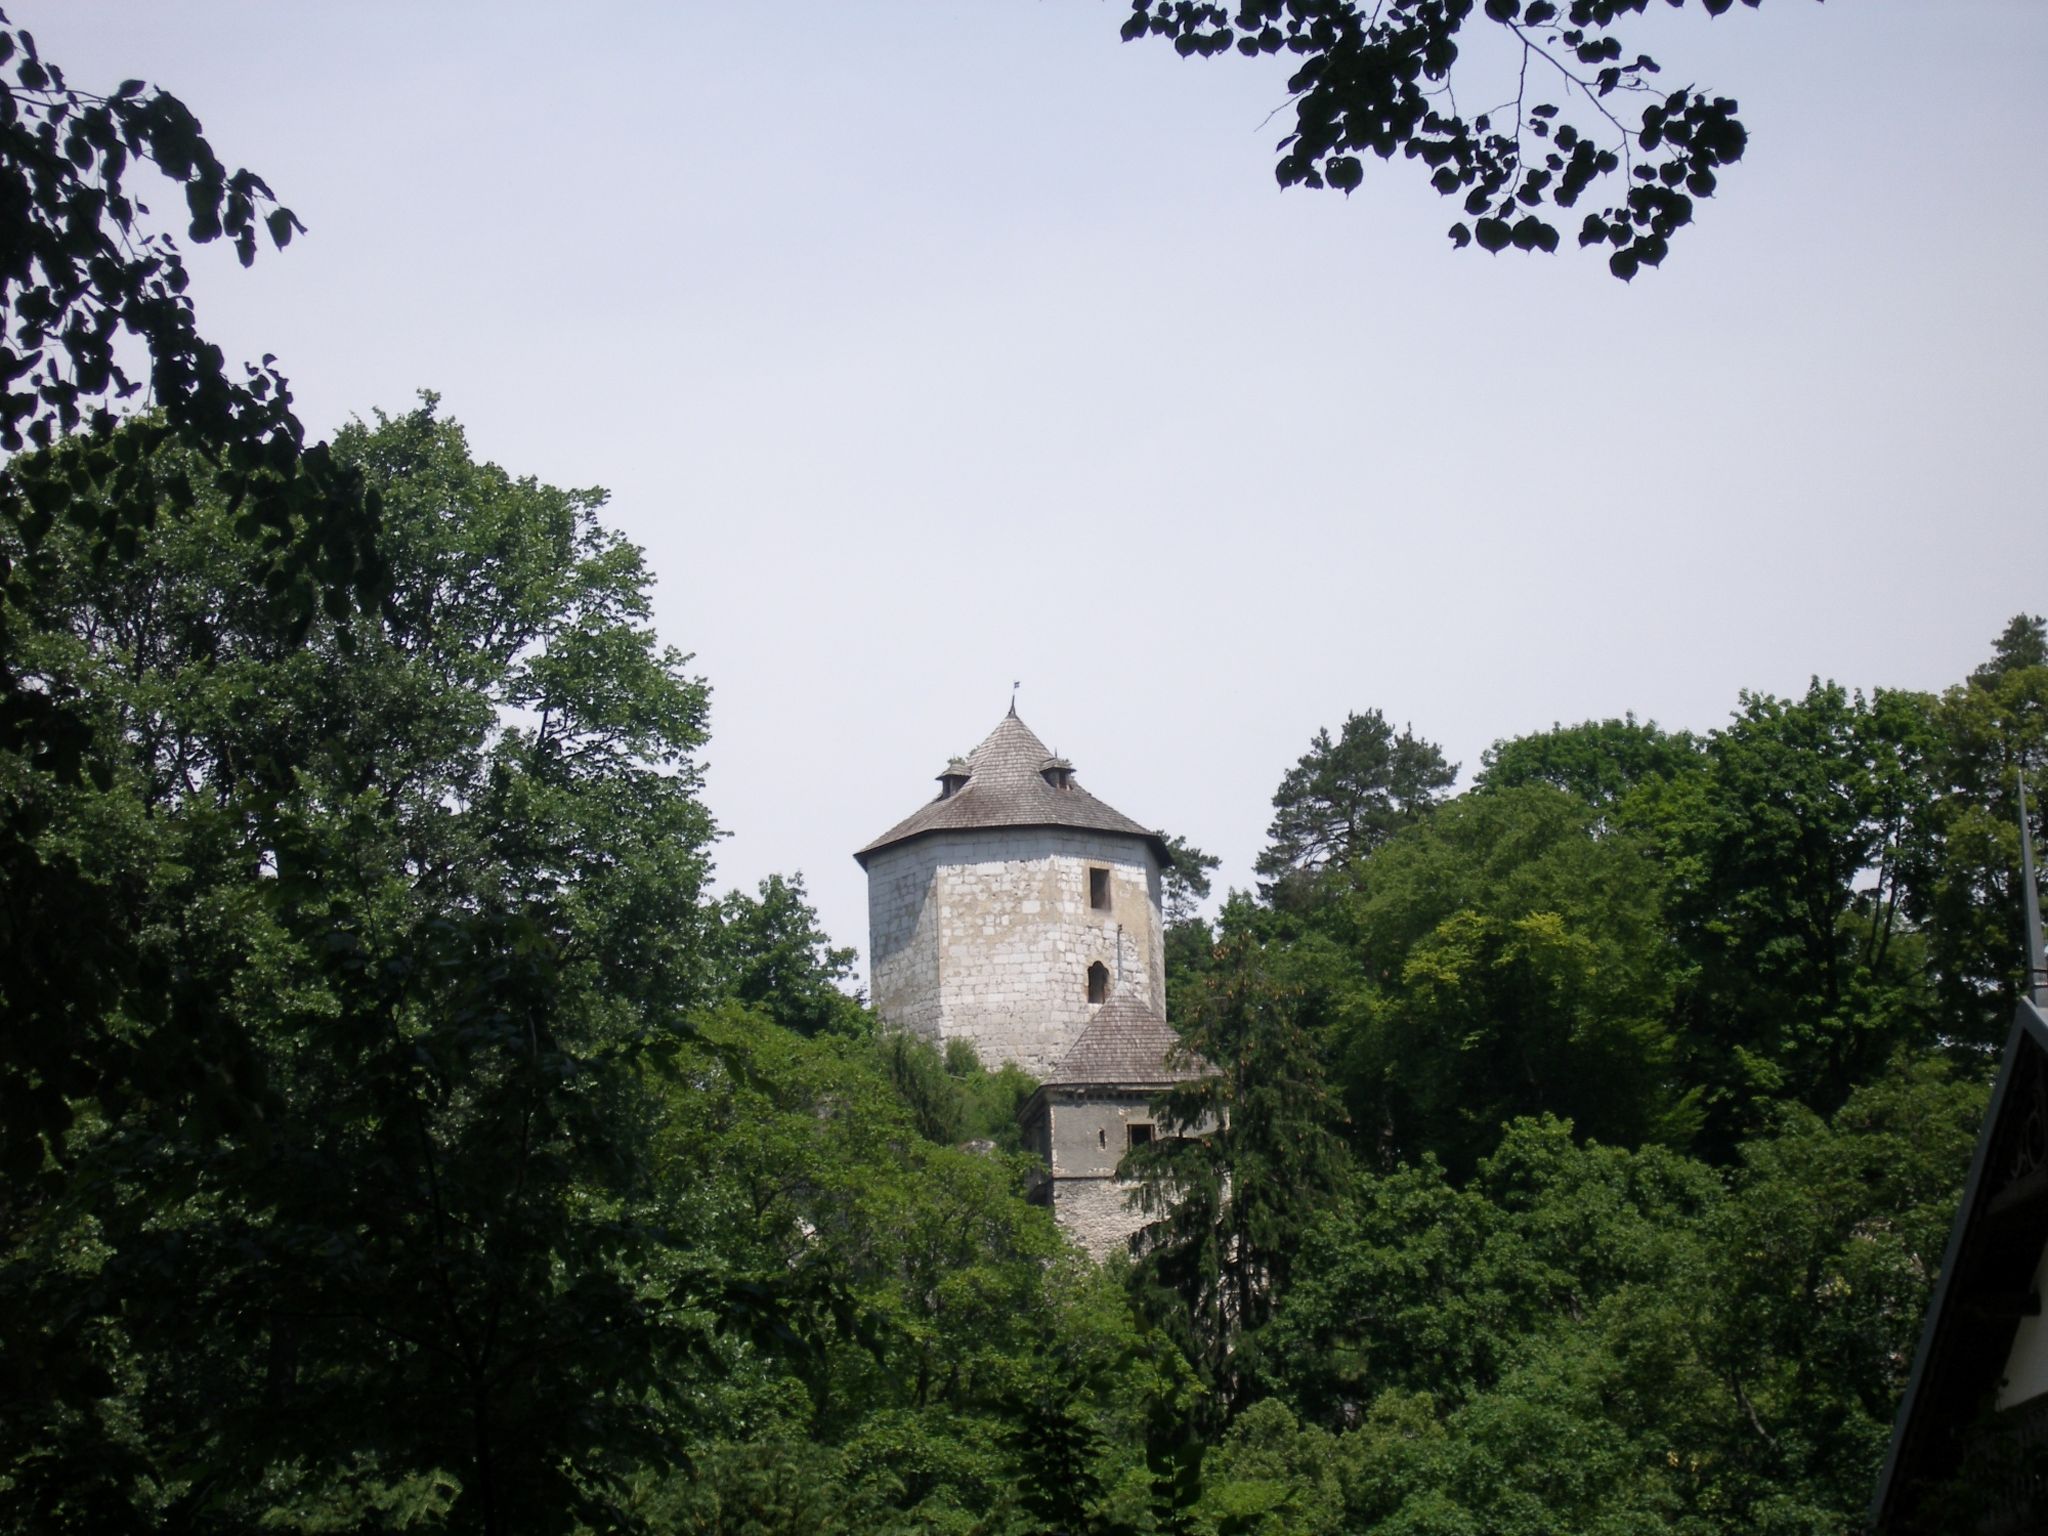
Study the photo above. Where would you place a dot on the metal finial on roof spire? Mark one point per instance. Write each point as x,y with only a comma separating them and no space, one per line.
2037,957
1013,697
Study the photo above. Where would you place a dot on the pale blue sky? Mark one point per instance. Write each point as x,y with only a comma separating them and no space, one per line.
930,346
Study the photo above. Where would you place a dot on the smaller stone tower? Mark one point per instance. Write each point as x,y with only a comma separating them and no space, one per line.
1093,1108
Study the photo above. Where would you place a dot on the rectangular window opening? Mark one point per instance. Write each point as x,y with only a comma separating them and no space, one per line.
1140,1133
1098,889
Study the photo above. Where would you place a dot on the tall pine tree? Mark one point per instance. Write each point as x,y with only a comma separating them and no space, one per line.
1246,1156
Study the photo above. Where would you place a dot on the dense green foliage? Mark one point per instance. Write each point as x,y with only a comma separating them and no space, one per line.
439,1154
1248,1154
1598,1339
391,964
1660,1060
452,1158
1504,925
398,1135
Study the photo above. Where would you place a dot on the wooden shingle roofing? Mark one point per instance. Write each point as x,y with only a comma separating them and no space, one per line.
1006,787
1126,1044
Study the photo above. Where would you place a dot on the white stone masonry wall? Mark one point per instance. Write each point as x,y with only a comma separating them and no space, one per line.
1085,1135
988,936
903,937
1099,1214
1089,1133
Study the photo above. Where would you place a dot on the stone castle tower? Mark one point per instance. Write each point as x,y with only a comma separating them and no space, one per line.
1009,909
1019,913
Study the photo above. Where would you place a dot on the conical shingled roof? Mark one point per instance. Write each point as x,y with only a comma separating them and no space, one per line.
1005,788
1127,1044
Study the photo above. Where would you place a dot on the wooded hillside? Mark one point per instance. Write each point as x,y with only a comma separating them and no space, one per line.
398,1134
400,1137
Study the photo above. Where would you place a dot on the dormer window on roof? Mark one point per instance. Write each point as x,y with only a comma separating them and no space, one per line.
1013,780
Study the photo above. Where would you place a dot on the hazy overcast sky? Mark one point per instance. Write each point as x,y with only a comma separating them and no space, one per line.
930,346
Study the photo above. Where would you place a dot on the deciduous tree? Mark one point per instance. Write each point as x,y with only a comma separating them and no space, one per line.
768,951
1993,730
1598,762
1579,109
1511,959
414,909
1791,859
91,286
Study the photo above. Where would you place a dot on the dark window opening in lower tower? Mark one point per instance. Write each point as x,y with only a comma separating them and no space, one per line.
1140,1134
1098,889
1098,983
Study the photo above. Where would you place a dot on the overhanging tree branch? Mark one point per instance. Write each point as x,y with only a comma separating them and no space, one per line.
1367,82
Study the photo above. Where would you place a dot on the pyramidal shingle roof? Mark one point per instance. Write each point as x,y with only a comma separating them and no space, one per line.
1007,787
1127,1043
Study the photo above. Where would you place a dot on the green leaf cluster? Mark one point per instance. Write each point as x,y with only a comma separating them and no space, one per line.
1578,110
1655,1060
1584,1337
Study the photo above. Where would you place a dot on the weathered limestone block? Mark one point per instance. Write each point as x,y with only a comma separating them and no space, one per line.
1099,1214
989,936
